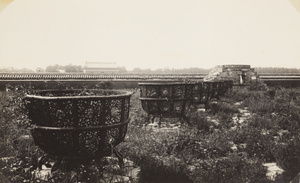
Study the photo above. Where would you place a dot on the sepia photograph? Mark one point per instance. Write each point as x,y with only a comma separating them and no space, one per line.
149,91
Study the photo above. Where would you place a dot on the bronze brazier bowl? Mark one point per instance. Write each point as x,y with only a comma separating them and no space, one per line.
166,100
79,124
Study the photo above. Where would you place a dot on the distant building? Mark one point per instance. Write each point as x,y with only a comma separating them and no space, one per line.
101,67
240,74
61,70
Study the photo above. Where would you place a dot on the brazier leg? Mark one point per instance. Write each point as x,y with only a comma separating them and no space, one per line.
186,119
148,119
119,156
159,122
206,104
152,120
41,161
56,165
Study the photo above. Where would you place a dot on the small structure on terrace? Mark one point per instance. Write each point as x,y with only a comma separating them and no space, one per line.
239,74
101,67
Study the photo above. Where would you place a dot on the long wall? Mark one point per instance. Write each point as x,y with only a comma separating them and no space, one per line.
79,84
124,83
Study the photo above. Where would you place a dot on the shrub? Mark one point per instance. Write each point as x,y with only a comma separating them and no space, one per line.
199,120
223,107
224,112
13,122
288,157
163,169
264,123
233,168
259,142
258,86
240,94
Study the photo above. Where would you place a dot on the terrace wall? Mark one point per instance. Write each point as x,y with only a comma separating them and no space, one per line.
79,84
240,74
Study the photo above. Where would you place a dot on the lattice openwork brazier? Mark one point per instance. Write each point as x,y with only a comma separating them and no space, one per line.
166,100
228,85
79,124
202,92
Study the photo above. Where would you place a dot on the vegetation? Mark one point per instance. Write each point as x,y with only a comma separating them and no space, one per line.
192,70
215,147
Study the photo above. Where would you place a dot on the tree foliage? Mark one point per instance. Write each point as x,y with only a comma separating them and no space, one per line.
52,68
191,70
73,68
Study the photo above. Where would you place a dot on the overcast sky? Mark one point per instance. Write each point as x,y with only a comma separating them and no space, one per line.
150,33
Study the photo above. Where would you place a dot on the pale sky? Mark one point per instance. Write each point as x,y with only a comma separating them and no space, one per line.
150,33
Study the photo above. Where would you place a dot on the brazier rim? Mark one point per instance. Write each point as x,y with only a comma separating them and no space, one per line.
120,94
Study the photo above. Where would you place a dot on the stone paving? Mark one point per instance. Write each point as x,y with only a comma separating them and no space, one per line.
273,171
164,126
